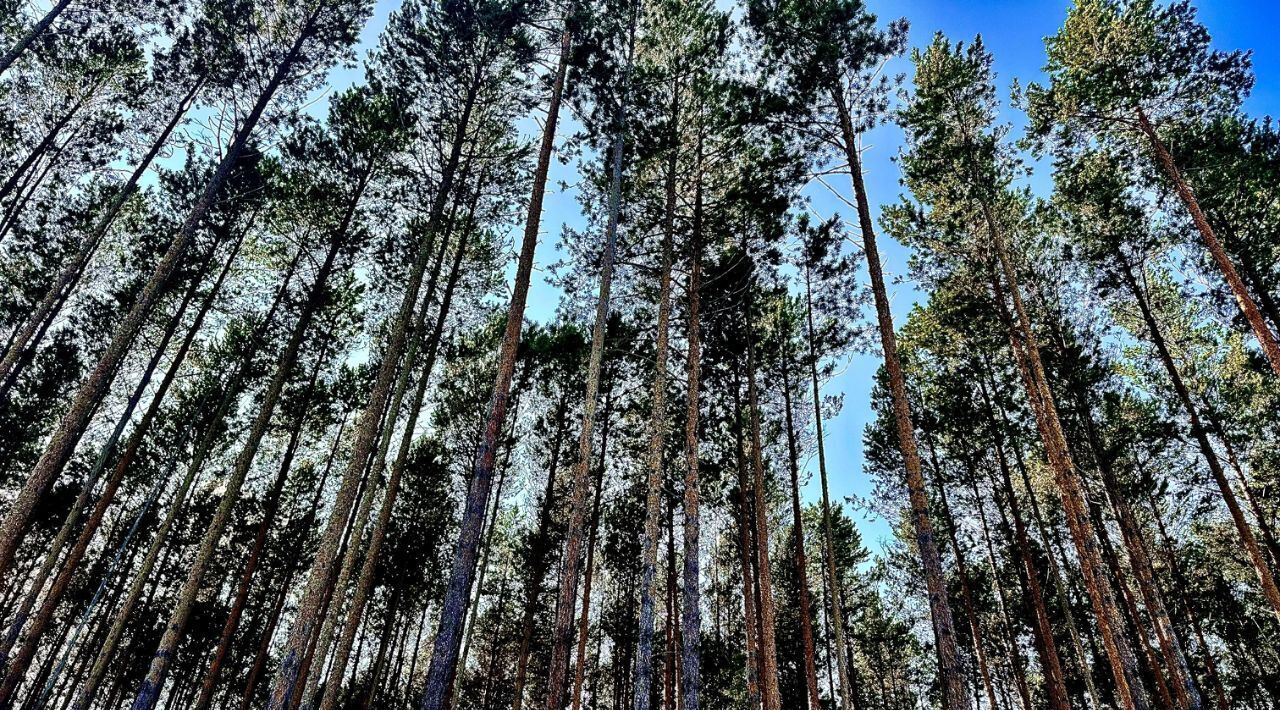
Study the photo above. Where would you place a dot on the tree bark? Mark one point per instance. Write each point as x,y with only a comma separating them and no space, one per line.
745,555
149,689
1266,579
847,701
539,564
802,564
562,633
63,536
584,625
691,609
76,419
1266,338
1026,349
31,35
271,508
87,694
444,657
962,574
657,442
950,667
764,577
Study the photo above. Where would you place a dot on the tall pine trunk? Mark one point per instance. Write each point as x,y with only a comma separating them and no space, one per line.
1266,579
562,632
828,550
584,623
1026,350
204,446
764,577
654,460
149,690
962,574
691,609
950,667
444,657
64,440
802,564
1266,338
271,508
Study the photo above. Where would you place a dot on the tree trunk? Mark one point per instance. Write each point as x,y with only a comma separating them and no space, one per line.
584,625
1182,683
950,667
149,690
1026,349
1266,579
1016,663
764,577
539,564
847,701
63,536
64,439
18,666
745,555
1171,559
1053,552
657,442
364,508
271,508
25,338
962,574
562,633
802,565
444,657
691,609
203,448
32,34
1266,338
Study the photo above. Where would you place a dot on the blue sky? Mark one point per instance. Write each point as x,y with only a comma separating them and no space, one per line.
1014,32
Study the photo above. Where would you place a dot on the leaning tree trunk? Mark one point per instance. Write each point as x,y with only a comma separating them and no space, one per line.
16,667
71,564
149,689
106,652
1026,350
41,26
950,667
1266,579
444,657
962,573
318,587
364,507
1053,553
54,552
1182,682
584,623
1266,338
802,564
562,633
25,339
63,441
271,508
746,561
364,584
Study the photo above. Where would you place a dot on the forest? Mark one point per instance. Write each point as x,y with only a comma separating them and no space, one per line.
279,429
